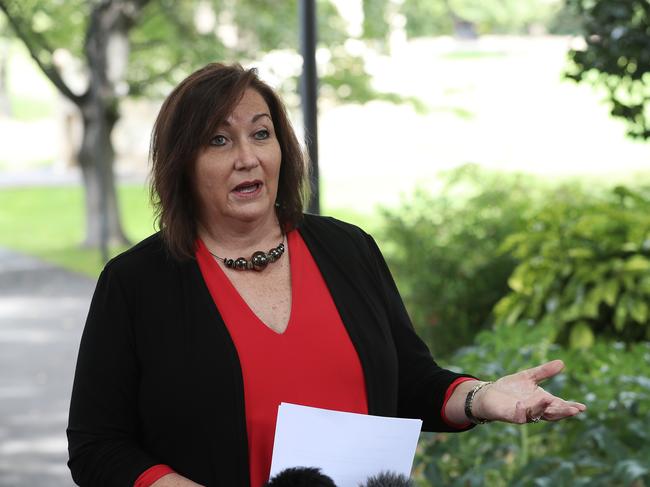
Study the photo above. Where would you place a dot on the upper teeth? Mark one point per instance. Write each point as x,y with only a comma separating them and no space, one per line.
248,189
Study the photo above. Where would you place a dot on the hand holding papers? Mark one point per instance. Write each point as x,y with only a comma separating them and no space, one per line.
347,447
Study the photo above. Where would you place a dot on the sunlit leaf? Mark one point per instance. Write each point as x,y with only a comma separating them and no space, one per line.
637,263
581,336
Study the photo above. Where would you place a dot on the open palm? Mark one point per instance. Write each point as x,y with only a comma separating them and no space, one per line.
518,398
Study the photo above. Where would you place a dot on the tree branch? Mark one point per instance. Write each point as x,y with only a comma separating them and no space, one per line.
141,46
137,88
33,46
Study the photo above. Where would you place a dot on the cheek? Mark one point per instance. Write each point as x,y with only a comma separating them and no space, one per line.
210,182
276,158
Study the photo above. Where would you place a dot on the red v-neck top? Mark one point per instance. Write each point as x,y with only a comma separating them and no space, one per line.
312,363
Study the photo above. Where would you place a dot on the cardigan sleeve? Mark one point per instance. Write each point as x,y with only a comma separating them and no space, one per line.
102,427
422,384
152,475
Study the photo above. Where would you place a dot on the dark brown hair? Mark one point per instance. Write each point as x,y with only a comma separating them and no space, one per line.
187,121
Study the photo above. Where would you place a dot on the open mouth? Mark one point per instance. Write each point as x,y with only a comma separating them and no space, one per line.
247,188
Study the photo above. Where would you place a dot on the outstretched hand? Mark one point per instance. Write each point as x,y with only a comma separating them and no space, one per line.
518,398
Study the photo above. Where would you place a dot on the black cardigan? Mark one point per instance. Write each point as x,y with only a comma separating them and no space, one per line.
158,378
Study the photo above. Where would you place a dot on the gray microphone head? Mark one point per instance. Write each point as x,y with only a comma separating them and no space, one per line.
388,479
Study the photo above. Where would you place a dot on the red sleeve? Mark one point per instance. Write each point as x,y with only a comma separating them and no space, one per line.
152,474
450,391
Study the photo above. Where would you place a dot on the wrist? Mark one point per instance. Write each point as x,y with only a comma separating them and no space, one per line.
473,409
453,411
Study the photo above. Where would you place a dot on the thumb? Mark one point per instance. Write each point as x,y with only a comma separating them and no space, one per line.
545,371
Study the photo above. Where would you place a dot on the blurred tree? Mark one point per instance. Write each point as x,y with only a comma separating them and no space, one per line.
141,47
45,26
616,57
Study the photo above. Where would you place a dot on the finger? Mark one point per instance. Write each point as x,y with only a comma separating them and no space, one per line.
578,405
525,414
553,413
536,410
519,416
557,402
545,371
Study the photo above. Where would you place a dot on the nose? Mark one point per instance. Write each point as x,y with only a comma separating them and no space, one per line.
246,157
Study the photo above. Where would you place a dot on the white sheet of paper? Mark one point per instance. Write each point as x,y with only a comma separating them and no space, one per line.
347,447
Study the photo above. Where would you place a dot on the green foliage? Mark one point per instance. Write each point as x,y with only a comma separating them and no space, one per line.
440,17
257,20
565,21
53,24
608,445
488,247
375,25
584,265
443,251
616,57
426,18
166,45
350,82
166,42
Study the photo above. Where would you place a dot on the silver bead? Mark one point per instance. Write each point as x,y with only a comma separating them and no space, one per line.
259,260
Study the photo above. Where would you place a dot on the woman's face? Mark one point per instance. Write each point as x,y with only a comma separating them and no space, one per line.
236,175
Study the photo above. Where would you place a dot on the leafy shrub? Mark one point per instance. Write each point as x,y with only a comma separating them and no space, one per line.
608,445
443,249
615,57
584,264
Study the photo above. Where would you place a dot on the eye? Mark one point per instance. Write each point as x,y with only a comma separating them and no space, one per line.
262,134
218,140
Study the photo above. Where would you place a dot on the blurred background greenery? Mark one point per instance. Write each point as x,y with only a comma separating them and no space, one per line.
511,202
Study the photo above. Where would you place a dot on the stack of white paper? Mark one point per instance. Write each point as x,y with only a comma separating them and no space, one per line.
347,447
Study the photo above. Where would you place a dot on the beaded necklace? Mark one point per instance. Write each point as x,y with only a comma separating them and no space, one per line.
258,261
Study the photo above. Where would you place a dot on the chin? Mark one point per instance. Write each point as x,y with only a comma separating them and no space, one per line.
251,214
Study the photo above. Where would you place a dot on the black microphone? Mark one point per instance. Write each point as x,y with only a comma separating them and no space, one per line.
300,477
388,479
313,477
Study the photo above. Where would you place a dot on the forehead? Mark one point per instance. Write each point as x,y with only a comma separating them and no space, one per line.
250,105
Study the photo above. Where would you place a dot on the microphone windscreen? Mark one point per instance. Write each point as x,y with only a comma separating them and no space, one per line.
300,477
388,479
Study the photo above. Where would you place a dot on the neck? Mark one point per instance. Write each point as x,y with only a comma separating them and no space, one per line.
241,237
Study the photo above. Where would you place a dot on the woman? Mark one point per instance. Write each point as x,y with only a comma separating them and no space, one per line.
189,348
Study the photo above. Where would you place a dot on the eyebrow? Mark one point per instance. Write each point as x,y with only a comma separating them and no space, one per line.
255,118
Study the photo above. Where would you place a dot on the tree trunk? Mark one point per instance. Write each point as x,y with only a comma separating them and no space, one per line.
96,157
107,53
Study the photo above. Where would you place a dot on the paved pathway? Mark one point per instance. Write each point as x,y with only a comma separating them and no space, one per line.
42,311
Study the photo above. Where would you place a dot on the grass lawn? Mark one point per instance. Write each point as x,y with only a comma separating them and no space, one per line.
48,222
